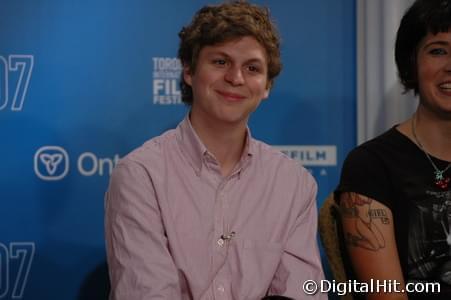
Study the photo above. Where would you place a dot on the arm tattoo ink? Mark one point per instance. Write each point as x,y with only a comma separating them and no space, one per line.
364,233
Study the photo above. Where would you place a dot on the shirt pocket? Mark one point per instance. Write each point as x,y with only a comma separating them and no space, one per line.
257,262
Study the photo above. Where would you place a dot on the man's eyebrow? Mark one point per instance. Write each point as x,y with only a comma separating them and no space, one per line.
217,52
255,60
222,53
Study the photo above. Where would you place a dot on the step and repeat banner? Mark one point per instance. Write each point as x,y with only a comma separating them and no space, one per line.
82,83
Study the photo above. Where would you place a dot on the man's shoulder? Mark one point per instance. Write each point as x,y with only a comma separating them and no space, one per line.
268,152
286,172
274,158
152,151
271,153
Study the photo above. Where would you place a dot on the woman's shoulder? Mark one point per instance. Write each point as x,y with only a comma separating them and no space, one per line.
391,144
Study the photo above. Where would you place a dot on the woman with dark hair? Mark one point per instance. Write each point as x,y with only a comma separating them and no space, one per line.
395,190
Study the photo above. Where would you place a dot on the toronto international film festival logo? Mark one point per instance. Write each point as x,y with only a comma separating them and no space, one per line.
321,156
166,80
15,74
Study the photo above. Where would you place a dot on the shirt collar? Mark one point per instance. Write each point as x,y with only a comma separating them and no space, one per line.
195,150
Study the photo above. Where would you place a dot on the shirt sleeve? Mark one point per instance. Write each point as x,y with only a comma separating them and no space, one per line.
365,173
301,261
140,264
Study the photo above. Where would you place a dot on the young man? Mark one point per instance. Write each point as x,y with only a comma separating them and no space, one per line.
205,211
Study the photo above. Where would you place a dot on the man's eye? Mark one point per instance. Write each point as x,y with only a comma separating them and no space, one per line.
438,51
219,62
253,68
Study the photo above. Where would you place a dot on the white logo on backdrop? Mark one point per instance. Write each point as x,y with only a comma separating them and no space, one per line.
311,155
15,74
166,80
52,163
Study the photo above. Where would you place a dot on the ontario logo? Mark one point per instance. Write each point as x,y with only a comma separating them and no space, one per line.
51,163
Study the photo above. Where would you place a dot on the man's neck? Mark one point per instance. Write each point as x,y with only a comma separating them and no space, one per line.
225,141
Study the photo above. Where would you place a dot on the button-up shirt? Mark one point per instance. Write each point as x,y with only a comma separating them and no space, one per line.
177,229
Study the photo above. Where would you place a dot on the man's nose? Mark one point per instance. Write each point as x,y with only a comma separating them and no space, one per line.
234,76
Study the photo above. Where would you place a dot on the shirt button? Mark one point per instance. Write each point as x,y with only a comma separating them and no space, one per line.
221,288
220,242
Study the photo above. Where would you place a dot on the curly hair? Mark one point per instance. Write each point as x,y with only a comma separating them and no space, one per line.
214,24
423,17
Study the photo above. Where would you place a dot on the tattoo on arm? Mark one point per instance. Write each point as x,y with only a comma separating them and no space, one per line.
364,233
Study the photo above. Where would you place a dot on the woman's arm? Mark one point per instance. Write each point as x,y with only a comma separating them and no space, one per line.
370,240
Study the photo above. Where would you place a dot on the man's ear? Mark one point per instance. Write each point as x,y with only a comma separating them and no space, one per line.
187,76
268,88
266,94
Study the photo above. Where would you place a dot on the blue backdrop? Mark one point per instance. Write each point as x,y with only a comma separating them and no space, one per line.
82,83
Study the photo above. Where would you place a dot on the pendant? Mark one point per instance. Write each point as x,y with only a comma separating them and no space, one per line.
438,175
443,182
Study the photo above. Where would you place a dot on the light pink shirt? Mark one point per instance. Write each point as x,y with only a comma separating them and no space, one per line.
168,205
